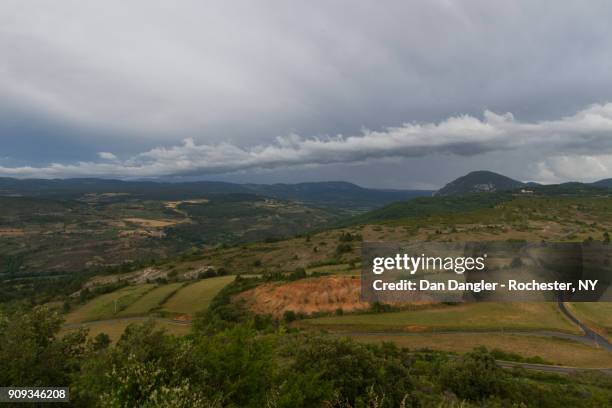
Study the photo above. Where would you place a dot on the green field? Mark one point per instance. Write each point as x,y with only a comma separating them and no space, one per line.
474,316
196,296
108,305
150,300
115,328
553,350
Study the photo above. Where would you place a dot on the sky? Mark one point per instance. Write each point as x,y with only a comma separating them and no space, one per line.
390,95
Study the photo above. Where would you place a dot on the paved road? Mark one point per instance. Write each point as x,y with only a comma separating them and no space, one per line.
589,333
502,363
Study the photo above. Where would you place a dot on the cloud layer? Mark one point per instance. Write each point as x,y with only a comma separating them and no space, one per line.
97,86
571,147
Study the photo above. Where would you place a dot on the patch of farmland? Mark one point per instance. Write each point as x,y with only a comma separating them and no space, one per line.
108,305
196,296
151,300
468,317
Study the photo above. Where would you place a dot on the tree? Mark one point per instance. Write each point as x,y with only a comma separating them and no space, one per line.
101,341
289,316
32,353
145,368
475,376
343,248
354,370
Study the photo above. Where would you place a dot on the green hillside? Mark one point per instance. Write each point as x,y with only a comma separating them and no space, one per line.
479,182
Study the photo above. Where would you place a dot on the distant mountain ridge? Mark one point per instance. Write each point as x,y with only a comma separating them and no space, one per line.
483,181
606,183
474,191
330,193
479,182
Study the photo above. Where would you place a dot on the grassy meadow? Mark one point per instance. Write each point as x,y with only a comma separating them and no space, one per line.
114,329
196,296
552,350
108,305
151,300
470,317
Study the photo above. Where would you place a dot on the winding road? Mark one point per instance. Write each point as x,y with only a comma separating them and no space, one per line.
589,334
592,336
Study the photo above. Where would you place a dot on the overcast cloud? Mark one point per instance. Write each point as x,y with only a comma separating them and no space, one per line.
260,91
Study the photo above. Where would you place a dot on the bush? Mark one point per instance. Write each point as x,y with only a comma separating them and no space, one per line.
474,376
348,237
343,248
378,307
299,273
208,273
516,262
289,316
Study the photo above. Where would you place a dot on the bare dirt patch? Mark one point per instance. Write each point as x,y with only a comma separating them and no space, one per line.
325,294
11,232
174,204
140,276
151,223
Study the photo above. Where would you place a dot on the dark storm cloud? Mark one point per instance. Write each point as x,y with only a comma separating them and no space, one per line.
461,135
233,76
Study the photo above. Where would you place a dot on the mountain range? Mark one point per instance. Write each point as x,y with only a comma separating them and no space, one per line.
338,194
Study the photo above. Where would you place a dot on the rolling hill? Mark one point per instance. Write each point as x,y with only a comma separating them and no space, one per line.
479,182
605,183
489,182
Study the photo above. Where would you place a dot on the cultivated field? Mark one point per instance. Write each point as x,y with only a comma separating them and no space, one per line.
196,296
552,350
473,316
108,305
151,300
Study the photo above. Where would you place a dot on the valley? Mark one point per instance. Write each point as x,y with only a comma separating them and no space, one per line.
311,281
207,270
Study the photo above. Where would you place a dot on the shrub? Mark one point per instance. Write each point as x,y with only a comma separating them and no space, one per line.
343,248
474,376
299,273
516,262
289,316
